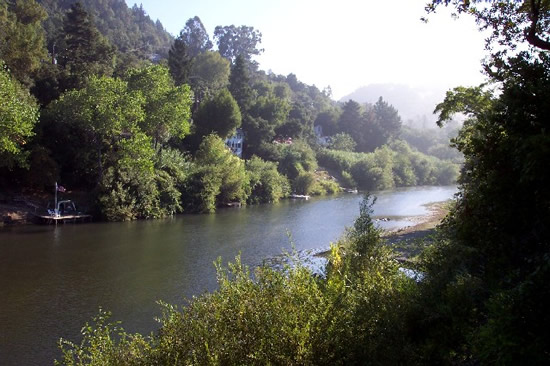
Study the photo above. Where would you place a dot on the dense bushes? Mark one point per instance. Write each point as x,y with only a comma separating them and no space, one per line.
266,184
218,177
393,165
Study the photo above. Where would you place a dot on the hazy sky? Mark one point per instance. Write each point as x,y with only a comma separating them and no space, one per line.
347,43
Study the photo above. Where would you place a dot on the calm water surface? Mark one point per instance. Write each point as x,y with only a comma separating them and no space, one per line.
54,279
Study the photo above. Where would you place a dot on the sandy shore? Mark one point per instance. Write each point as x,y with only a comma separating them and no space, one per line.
423,224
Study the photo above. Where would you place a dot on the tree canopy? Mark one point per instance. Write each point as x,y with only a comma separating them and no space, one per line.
18,116
234,41
22,38
220,115
167,107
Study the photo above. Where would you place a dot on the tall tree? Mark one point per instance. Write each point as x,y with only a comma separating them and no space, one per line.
18,115
234,41
328,120
195,37
209,74
179,61
351,120
22,38
239,84
388,121
87,52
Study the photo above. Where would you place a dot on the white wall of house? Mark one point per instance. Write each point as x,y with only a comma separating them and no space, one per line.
235,143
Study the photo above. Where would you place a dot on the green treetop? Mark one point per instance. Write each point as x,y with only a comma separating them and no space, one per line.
167,107
87,52
219,115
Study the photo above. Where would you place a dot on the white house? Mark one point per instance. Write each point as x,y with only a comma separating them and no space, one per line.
322,140
235,143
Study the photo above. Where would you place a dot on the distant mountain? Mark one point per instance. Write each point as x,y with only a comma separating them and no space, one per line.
415,104
131,30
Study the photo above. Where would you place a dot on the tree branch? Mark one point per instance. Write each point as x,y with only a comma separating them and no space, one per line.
532,36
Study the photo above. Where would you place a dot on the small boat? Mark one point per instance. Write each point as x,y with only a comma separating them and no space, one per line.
350,190
299,197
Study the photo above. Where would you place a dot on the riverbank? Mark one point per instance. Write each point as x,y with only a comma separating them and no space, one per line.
423,225
15,214
406,241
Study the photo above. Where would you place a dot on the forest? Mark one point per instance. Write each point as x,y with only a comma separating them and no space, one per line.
133,122
480,295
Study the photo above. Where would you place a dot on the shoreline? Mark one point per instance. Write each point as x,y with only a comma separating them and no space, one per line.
436,213
424,226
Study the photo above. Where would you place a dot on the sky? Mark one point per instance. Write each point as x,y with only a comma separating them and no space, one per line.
345,44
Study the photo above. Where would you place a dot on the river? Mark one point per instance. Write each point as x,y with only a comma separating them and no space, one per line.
54,279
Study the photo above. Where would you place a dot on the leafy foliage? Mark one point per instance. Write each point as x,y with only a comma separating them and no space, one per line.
266,184
86,52
22,38
343,142
238,41
219,177
18,115
130,30
219,115
167,108
209,74
195,37
180,62
394,165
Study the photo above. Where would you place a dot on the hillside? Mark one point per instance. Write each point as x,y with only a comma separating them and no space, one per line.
131,30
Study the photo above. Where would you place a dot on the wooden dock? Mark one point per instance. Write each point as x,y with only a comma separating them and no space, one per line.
63,219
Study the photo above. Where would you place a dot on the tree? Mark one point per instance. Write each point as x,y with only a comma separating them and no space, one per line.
87,52
342,141
388,122
219,115
351,120
239,84
328,120
18,115
234,41
220,177
22,41
179,61
266,184
195,37
105,111
209,74
265,114
167,107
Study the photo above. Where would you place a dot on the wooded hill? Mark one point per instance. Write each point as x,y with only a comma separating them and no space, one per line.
130,30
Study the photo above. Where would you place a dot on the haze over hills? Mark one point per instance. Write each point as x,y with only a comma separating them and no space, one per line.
415,104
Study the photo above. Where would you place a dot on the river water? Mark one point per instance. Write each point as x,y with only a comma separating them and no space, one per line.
54,279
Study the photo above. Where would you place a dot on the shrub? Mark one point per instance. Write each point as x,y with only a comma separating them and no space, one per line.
266,184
